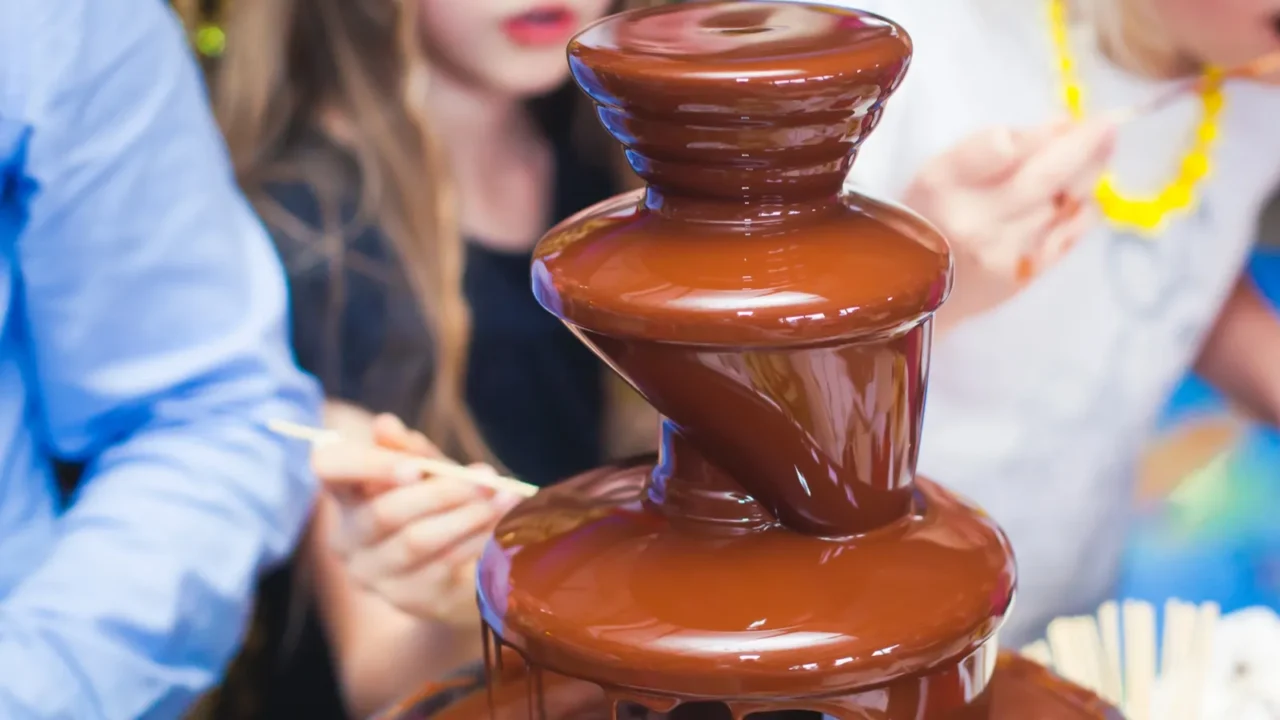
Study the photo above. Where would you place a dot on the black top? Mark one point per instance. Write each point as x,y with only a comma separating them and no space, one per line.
535,391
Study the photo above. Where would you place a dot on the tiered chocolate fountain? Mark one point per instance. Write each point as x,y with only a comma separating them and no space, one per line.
781,556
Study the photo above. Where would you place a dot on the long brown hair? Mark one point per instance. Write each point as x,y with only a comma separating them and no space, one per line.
288,61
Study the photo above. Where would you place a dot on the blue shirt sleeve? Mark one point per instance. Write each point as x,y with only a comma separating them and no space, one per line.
156,314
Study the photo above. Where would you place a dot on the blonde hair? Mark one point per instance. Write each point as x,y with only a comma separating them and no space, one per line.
1133,35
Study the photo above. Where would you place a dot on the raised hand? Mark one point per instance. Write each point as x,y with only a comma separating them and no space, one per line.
1012,203
412,540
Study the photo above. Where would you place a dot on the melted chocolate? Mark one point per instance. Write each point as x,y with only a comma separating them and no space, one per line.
1019,690
593,582
780,556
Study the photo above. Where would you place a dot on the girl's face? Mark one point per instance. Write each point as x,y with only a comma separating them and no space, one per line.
515,47
1224,33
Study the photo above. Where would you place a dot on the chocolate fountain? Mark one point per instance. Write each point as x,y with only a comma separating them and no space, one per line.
780,556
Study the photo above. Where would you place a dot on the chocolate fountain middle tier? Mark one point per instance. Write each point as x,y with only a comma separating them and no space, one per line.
788,362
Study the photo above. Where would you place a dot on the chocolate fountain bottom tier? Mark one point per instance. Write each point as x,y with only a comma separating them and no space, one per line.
591,580
1019,690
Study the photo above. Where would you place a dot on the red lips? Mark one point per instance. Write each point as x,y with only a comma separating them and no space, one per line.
542,26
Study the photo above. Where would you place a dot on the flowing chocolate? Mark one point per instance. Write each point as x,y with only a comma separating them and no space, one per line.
780,556
1019,690
780,328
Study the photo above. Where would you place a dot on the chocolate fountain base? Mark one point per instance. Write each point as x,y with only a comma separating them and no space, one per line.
591,579
1019,690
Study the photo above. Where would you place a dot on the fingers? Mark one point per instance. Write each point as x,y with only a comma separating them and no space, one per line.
1013,239
988,157
393,510
349,463
443,589
1057,239
1024,245
422,543
1064,236
993,155
464,558
391,433
1030,140
1012,202
1072,160
385,464
435,592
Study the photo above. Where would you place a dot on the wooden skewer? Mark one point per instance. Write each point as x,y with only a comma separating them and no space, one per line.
1172,677
428,466
1091,645
1140,658
1065,661
1266,65
1039,652
1201,653
1074,645
1109,629
1188,666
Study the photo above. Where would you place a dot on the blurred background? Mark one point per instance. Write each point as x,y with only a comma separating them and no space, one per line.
1210,484
1209,490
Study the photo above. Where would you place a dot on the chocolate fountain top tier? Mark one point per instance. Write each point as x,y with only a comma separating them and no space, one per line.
744,119
731,100
777,322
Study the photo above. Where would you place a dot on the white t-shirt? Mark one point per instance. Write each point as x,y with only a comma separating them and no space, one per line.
1037,410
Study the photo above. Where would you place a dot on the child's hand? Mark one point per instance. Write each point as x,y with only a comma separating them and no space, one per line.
417,546
1011,203
354,465
413,541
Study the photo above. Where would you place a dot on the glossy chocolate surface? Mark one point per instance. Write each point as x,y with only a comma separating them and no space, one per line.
741,293
1019,690
590,577
780,556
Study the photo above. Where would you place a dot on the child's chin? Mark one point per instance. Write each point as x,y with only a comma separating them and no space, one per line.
533,75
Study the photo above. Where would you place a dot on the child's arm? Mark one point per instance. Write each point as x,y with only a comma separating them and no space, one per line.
394,563
381,652
1241,356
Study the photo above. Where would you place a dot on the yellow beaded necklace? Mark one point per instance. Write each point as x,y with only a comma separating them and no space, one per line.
1146,216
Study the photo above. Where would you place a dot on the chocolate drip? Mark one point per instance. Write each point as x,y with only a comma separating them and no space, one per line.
1019,690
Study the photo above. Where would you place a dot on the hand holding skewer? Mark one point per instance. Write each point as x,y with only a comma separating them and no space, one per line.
1013,202
408,524
402,468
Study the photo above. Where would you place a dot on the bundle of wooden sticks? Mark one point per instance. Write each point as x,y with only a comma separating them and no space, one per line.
1115,653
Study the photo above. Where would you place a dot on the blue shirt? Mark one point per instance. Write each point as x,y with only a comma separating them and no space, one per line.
142,332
